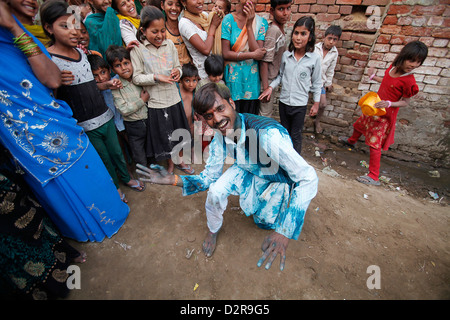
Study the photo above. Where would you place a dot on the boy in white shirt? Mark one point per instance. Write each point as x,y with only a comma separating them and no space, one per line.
329,54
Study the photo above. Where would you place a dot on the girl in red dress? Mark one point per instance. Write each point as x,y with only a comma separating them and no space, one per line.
397,86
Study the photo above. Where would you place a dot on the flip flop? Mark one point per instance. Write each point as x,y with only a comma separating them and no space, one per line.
368,180
122,197
186,169
137,187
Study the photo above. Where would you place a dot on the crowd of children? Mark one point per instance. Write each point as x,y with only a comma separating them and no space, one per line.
130,72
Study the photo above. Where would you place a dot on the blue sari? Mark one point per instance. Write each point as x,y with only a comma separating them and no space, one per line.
61,166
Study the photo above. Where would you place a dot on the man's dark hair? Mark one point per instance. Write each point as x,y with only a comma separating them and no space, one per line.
115,52
205,97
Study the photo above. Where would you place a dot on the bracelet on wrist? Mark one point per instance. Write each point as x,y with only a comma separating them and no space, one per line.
372,76
389,104
26,44
175,181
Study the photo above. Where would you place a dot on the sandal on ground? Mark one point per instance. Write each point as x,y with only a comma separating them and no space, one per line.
122,197
344,140
186,169
368,180
137,186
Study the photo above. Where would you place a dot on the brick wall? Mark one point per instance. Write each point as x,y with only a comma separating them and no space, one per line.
369,40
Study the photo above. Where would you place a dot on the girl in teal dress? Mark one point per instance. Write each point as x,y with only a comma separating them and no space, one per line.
243,34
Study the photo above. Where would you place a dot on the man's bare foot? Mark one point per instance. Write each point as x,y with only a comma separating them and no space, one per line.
209,244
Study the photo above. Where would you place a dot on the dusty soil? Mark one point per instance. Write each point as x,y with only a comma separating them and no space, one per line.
398,227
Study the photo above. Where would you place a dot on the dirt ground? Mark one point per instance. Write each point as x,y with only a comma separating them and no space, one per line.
348,227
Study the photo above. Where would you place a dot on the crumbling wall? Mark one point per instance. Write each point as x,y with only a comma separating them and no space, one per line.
374,31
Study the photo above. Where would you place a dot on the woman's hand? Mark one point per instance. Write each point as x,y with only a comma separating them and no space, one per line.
259,53
217,18
249,10
7,20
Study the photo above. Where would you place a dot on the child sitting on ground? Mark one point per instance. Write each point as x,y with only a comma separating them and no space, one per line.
131,101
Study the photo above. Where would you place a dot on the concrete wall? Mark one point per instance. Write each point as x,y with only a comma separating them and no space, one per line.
374,31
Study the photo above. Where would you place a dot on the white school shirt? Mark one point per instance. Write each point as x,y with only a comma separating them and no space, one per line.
187,30
298,78
328,63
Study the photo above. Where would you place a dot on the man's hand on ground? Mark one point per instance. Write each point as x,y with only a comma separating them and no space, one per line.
273,245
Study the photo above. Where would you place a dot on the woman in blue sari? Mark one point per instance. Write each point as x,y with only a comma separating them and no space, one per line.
59,164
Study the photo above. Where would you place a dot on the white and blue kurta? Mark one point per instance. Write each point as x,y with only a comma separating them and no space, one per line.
274,182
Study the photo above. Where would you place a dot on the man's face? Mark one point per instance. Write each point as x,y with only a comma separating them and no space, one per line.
222,115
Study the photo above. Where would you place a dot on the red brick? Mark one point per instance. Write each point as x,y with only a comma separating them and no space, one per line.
333,9
414,31
441,33
260,7
345,9
304,1
327,17
384,38
428,10
316,8
405,21
346,35
326,1
352,70
390,19
351,2
345,60
357,55
397,39
363,38
399,9
304,7
428,41
375,2
436,21
391,29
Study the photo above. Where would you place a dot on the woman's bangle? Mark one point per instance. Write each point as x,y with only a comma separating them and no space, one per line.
372,76
26,44
176,180
237,57
389,104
